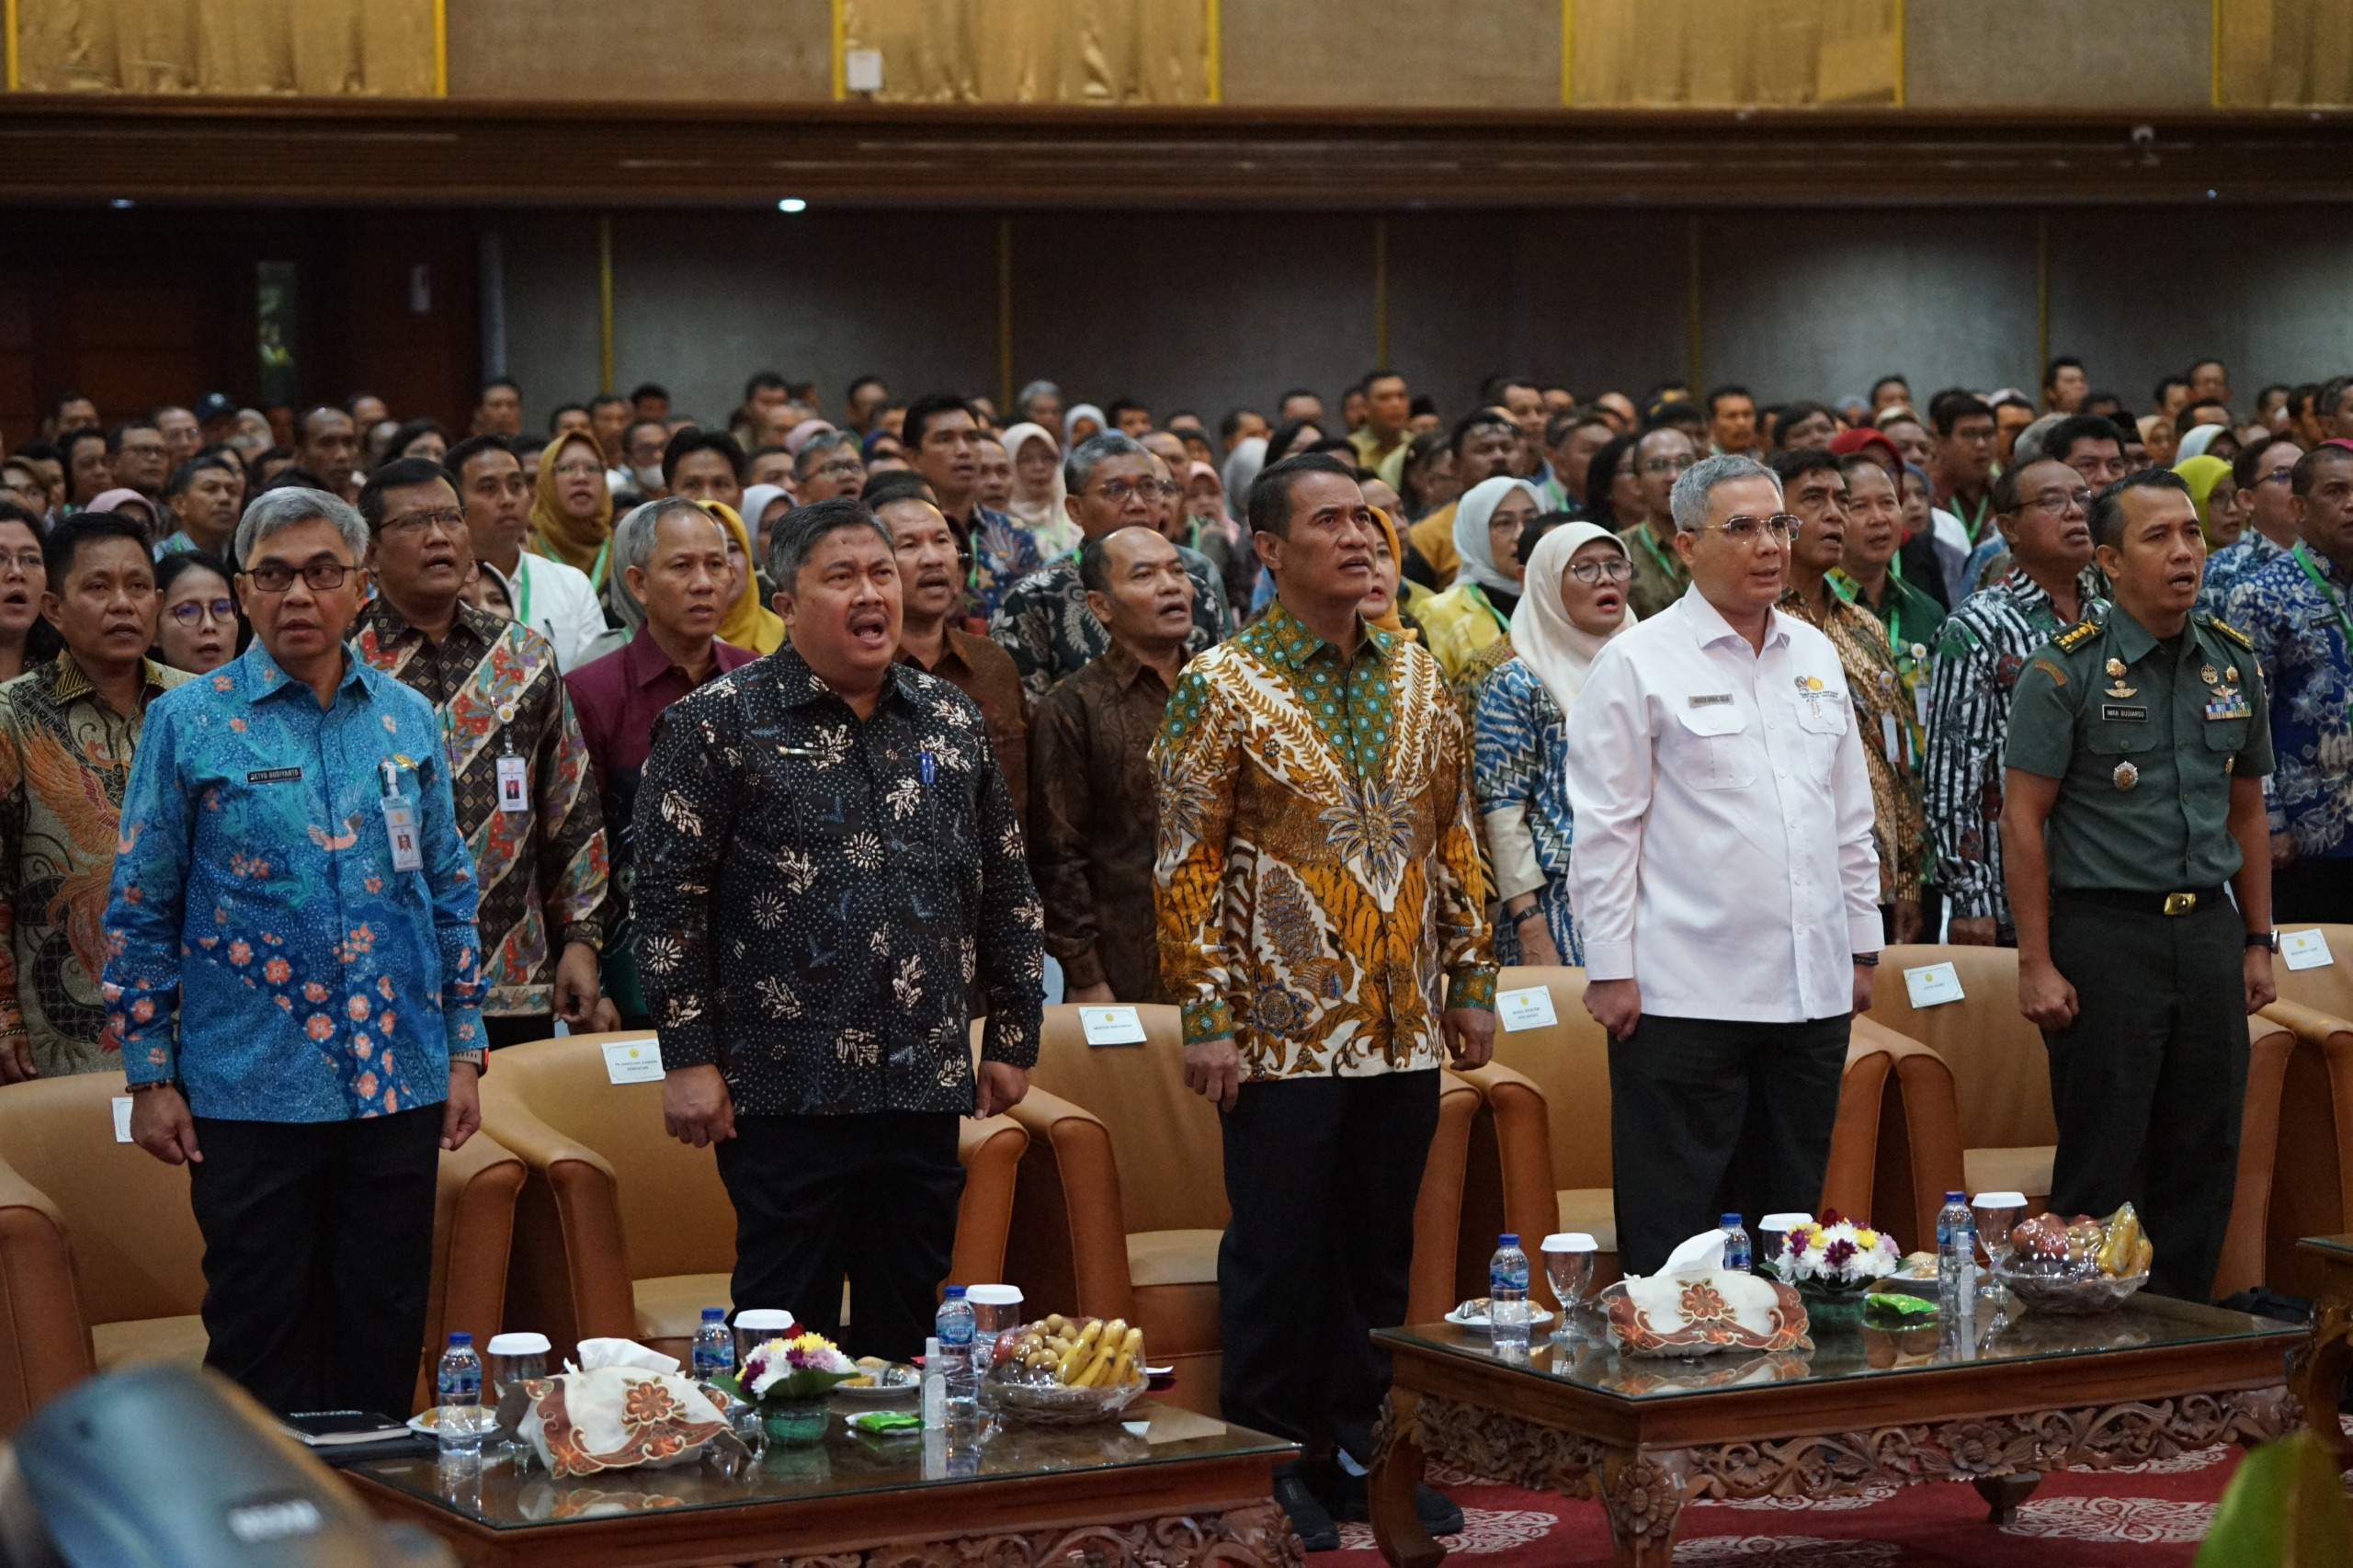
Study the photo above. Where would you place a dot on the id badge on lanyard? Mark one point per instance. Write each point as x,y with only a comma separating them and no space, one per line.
400,823
514,784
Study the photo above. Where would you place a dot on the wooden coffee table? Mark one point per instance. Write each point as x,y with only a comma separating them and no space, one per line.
2320,1372
2157,1379
1015,1497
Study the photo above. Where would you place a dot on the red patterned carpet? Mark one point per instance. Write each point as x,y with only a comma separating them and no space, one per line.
2148,1516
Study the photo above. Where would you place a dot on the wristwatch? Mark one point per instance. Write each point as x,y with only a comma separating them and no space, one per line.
2266,939
141,1088
1868,960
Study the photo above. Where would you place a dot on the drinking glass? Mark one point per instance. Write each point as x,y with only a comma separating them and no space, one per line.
1772,1238
1568,1265
512,1359
1996,1212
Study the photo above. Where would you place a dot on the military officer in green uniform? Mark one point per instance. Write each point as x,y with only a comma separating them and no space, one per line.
2139,743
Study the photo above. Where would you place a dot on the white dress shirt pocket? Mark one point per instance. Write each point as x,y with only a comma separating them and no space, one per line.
1824,715
1713,748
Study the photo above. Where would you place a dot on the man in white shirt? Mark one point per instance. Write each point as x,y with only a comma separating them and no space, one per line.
1725,878
555,600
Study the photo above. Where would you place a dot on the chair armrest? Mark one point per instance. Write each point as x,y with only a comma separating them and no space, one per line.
2270,1043
1851,1175
1532,1197
44,1344
2309,1025
1068,1246
1437,1208
473,1233
991,1151
570,1277
1920,1144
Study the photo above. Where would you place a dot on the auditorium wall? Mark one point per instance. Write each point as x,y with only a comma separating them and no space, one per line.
1212,310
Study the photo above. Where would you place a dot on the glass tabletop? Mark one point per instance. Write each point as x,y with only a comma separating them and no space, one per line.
2336,1246
496,1494
1589,1362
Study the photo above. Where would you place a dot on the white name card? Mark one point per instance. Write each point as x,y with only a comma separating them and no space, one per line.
1112,1026
122,1119
2304,949
633,1061
1528,1008
1932,984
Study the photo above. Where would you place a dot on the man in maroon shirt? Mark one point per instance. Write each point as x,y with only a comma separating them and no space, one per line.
672,557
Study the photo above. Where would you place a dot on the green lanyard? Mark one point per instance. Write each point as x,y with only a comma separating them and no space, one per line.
522,590
2335,600
1651,544
1479,596
1973,526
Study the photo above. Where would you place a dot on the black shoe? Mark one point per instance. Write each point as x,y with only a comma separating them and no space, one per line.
1435,1509
1309,1518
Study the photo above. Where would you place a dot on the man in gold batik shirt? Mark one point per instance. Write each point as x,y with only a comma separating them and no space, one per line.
1320,906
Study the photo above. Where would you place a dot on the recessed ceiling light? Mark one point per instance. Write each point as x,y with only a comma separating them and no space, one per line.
119,203
792,204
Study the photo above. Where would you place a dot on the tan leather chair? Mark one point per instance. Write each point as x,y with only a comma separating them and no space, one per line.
623,1232
2002,1080
1122,1202
101,1262
1541,1148
2312,1185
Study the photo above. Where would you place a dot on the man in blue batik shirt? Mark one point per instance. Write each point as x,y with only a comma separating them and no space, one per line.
2294,611
293,968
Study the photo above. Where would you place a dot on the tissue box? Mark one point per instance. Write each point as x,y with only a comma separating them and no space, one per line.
1696,1314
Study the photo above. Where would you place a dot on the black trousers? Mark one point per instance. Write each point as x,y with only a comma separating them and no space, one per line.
2149,1082
1708,1117
318,1249
1323,1175
517,1028
868,1197
2308,892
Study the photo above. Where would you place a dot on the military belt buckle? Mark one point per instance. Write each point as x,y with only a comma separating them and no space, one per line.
2180,903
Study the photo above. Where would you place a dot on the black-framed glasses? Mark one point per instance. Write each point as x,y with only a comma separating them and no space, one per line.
449,519
2278,476
319,576
1618,569
1782,527
192,613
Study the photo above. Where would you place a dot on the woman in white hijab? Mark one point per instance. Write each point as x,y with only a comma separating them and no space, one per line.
1086,414
1476,610
1037,500
1573,601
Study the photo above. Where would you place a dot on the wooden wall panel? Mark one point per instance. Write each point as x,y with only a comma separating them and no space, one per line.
2286,54
2084,54
1442,54
631,51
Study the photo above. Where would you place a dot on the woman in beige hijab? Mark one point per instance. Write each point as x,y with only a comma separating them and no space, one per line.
1037,500
1572,601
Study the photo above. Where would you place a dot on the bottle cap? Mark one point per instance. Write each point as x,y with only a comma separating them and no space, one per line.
955,1293
1960,1198
1508,1239
1728,1222
519,1344
463,1338
714,1314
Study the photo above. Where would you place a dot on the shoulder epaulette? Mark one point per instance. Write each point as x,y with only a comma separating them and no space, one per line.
2077,635
2227,629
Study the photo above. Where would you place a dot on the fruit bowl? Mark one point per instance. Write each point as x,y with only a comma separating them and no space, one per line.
1056,1404
2065,1295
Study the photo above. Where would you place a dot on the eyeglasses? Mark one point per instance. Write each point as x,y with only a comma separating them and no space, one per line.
1120,490
321,576
2058,501
847,468
1591,571
579,471
449,519
2278,476
28,563
1667,465
192,612
1745,529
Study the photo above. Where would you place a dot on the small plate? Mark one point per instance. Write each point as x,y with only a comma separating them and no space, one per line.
880,1394
1536,1318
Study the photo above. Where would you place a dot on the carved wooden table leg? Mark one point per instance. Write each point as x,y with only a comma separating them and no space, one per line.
1643,1494
2005,1493
1396,1470
2317,1371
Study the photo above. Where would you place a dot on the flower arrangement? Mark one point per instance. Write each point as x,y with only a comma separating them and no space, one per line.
782,1371
1835,1252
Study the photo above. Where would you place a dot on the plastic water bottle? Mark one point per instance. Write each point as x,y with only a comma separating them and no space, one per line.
1736,1250
457,1391
714,1347
955,1326
1957,1252
1507,1298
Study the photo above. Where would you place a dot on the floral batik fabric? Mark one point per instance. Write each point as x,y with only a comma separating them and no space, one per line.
1044,622
1520,749
1317,888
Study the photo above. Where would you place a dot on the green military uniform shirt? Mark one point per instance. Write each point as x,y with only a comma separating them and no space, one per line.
2144,738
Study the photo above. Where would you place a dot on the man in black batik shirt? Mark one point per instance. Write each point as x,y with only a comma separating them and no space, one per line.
827,857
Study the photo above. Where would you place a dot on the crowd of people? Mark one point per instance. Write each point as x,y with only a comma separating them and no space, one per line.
337,750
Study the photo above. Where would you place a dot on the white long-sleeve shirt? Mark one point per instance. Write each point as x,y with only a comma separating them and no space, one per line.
559,603
1723,854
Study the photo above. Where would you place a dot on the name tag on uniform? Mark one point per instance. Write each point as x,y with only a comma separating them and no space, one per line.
2120,713
1712,699
1110,1026
2304,949
274,776
633,1061
1932,984
514,785
122,1119
1530,1008
400,831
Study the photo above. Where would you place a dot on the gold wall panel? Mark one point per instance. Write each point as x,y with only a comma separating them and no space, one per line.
2284,53
372,48
1711,54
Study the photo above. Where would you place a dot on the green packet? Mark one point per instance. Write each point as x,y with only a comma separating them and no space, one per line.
1900,1305
886,1423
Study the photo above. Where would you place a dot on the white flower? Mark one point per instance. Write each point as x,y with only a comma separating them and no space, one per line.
769,910
865,852
660,955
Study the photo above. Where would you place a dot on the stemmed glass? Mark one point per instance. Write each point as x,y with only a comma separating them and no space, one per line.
1996,1212
1568,1265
